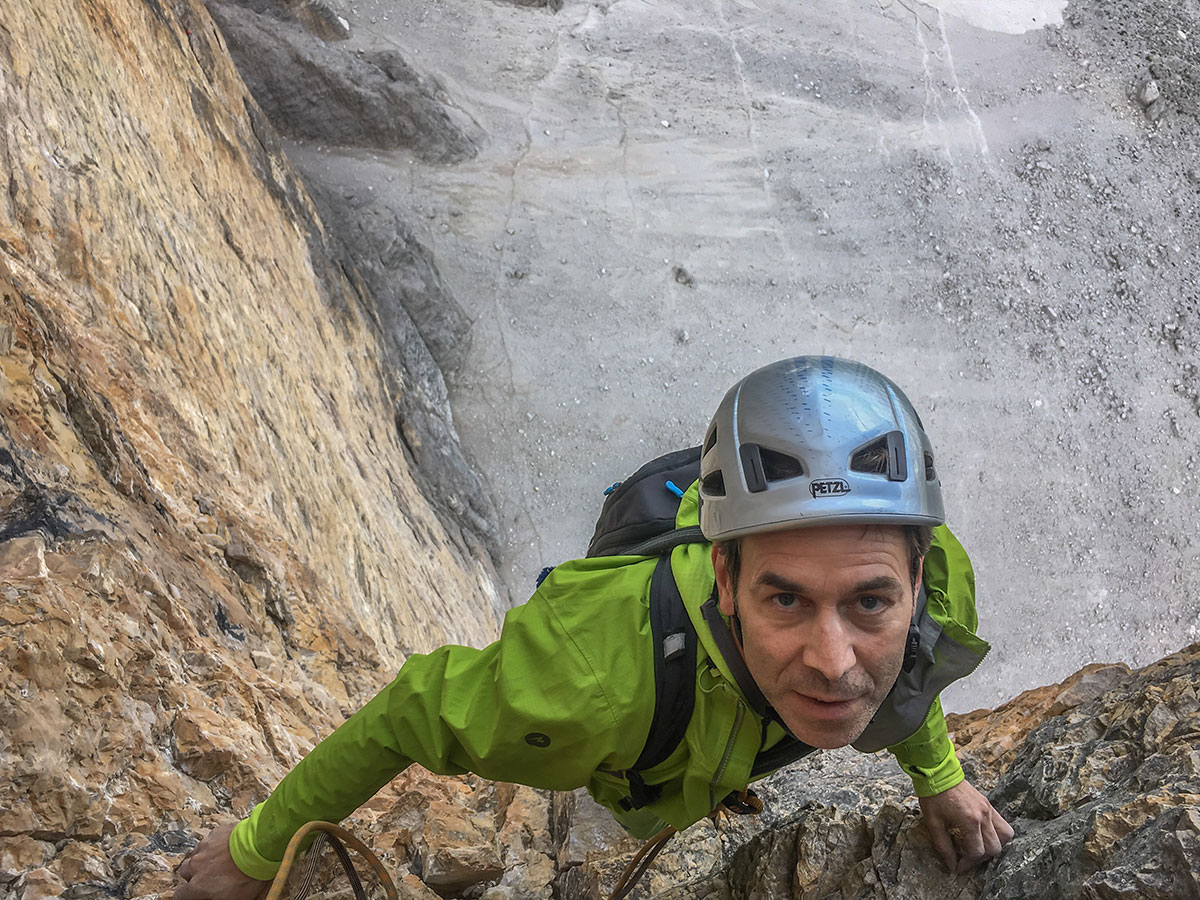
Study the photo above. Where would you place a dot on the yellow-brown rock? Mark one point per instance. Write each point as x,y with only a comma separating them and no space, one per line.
42,884
21,853
458,848
987,740
211,544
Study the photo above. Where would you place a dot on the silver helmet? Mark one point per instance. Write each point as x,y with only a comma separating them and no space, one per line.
815,440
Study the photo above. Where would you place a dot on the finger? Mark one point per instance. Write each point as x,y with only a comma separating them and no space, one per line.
992,845
970,848
186,892
944,845
1003,830
186,869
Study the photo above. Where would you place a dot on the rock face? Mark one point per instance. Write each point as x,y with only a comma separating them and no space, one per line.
1099,775
213,544
423,332
312,88
1108,795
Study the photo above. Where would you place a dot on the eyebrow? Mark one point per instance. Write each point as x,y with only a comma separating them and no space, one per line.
878,583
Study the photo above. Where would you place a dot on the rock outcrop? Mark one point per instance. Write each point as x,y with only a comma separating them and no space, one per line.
312,88
1099,775
213,541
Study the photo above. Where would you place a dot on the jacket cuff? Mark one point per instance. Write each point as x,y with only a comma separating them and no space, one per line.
927,756
245,855
928,781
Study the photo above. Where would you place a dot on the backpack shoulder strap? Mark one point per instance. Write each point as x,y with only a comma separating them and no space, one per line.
675,644
638,519
664,543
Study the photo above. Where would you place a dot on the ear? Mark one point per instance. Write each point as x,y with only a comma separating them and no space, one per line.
724,585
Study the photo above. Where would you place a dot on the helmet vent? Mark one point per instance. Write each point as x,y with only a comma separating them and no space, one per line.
883,456
710,443
930,472
713,485
779,466
762,467
872,458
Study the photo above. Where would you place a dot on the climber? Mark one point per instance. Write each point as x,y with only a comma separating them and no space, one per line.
811,579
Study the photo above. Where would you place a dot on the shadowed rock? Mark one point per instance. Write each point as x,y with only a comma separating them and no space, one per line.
314,16
552,5
424,333
316,91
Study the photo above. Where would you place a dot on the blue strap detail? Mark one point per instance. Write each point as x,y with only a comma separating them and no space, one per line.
674,489
542,575
612,487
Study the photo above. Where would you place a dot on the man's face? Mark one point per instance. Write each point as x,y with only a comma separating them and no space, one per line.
825,614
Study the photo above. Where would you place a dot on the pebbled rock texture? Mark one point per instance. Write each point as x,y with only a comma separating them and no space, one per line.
552,5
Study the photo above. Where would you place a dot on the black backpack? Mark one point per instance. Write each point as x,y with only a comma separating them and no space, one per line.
638,519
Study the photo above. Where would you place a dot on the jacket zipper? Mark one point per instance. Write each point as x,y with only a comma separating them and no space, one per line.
737,727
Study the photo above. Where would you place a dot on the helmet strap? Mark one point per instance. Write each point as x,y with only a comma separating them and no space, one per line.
912,646
736,621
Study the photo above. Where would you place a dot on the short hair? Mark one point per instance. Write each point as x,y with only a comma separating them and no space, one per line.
917,537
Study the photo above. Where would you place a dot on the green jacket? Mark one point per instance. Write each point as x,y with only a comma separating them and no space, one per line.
565,699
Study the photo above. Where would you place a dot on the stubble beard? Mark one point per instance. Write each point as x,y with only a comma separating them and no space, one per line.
868,696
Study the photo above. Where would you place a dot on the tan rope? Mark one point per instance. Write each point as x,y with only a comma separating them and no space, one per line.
639,864
741,802
737,803
337,838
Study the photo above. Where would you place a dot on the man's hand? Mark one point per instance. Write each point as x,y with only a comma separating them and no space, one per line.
209,872
965,828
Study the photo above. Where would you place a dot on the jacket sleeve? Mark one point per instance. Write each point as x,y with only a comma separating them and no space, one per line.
529,708
928,755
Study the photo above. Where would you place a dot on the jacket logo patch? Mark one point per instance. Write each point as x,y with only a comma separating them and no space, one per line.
537,739
829,487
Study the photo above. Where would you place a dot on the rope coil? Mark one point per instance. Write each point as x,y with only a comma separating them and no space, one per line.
337,838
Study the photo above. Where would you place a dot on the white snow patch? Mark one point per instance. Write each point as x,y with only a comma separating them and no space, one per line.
1007,16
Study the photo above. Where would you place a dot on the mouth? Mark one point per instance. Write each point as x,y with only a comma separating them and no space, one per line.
827,708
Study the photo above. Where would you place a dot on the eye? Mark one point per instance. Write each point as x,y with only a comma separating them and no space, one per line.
872,604
787,601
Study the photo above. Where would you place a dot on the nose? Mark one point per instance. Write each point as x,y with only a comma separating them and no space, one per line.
828,648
